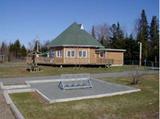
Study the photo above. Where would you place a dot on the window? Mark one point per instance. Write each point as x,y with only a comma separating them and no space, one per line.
83,53
59,53
70,53
80,53
101,55
51,53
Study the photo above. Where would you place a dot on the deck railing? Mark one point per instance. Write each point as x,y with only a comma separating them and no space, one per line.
47,60
104,61
44,60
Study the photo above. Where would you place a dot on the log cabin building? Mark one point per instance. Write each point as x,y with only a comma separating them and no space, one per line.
75,46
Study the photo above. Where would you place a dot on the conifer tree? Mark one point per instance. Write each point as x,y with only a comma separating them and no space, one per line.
154,39
142,34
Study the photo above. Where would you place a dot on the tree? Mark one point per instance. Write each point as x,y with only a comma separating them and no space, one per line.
31,45
23,51
37,46
4,50
142,33
17,48
154,39
103,35
117,36
132,50
44,46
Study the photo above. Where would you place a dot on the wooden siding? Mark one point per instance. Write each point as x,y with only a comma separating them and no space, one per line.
55,59
117,57
93,57
76,59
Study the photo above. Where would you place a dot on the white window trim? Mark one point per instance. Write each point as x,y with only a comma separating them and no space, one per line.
60,53
70,53
82,53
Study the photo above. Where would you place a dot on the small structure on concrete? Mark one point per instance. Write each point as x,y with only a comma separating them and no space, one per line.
81,81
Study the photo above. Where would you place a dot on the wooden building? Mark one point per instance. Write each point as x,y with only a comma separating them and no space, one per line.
75,46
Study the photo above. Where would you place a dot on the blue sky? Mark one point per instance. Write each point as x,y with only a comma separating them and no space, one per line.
26,19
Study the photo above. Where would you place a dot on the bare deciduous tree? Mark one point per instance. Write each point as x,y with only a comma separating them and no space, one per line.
102,33
135,76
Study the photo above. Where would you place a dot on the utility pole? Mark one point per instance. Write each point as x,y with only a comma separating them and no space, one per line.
140,53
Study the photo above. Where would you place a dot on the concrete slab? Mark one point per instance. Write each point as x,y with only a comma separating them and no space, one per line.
52,93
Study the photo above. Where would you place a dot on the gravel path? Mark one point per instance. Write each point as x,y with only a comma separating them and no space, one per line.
22,80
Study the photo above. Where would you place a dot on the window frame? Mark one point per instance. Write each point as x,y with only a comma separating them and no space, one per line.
70,52
59,53
82,55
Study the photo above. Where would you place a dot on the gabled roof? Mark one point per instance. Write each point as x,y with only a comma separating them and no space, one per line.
75,35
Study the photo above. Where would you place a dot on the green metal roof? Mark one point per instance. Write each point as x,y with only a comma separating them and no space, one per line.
74,35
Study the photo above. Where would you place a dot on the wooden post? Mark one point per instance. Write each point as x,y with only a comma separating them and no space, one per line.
140,53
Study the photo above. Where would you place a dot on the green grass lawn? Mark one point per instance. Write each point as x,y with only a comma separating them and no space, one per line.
19,70
139,105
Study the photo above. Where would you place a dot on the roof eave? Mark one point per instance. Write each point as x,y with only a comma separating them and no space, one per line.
96,46
109,49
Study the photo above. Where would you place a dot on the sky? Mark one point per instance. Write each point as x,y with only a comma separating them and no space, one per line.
46,19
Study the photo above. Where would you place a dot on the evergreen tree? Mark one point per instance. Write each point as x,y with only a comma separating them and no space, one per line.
23,51
113,30
132,51
142,34
17,48
154,39
4,50
117,36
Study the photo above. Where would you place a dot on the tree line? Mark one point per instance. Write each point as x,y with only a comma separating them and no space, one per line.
18,51
13,51
115,37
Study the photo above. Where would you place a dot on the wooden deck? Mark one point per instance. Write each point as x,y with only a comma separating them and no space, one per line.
55,62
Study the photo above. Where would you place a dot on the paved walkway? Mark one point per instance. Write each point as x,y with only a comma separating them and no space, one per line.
22,80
